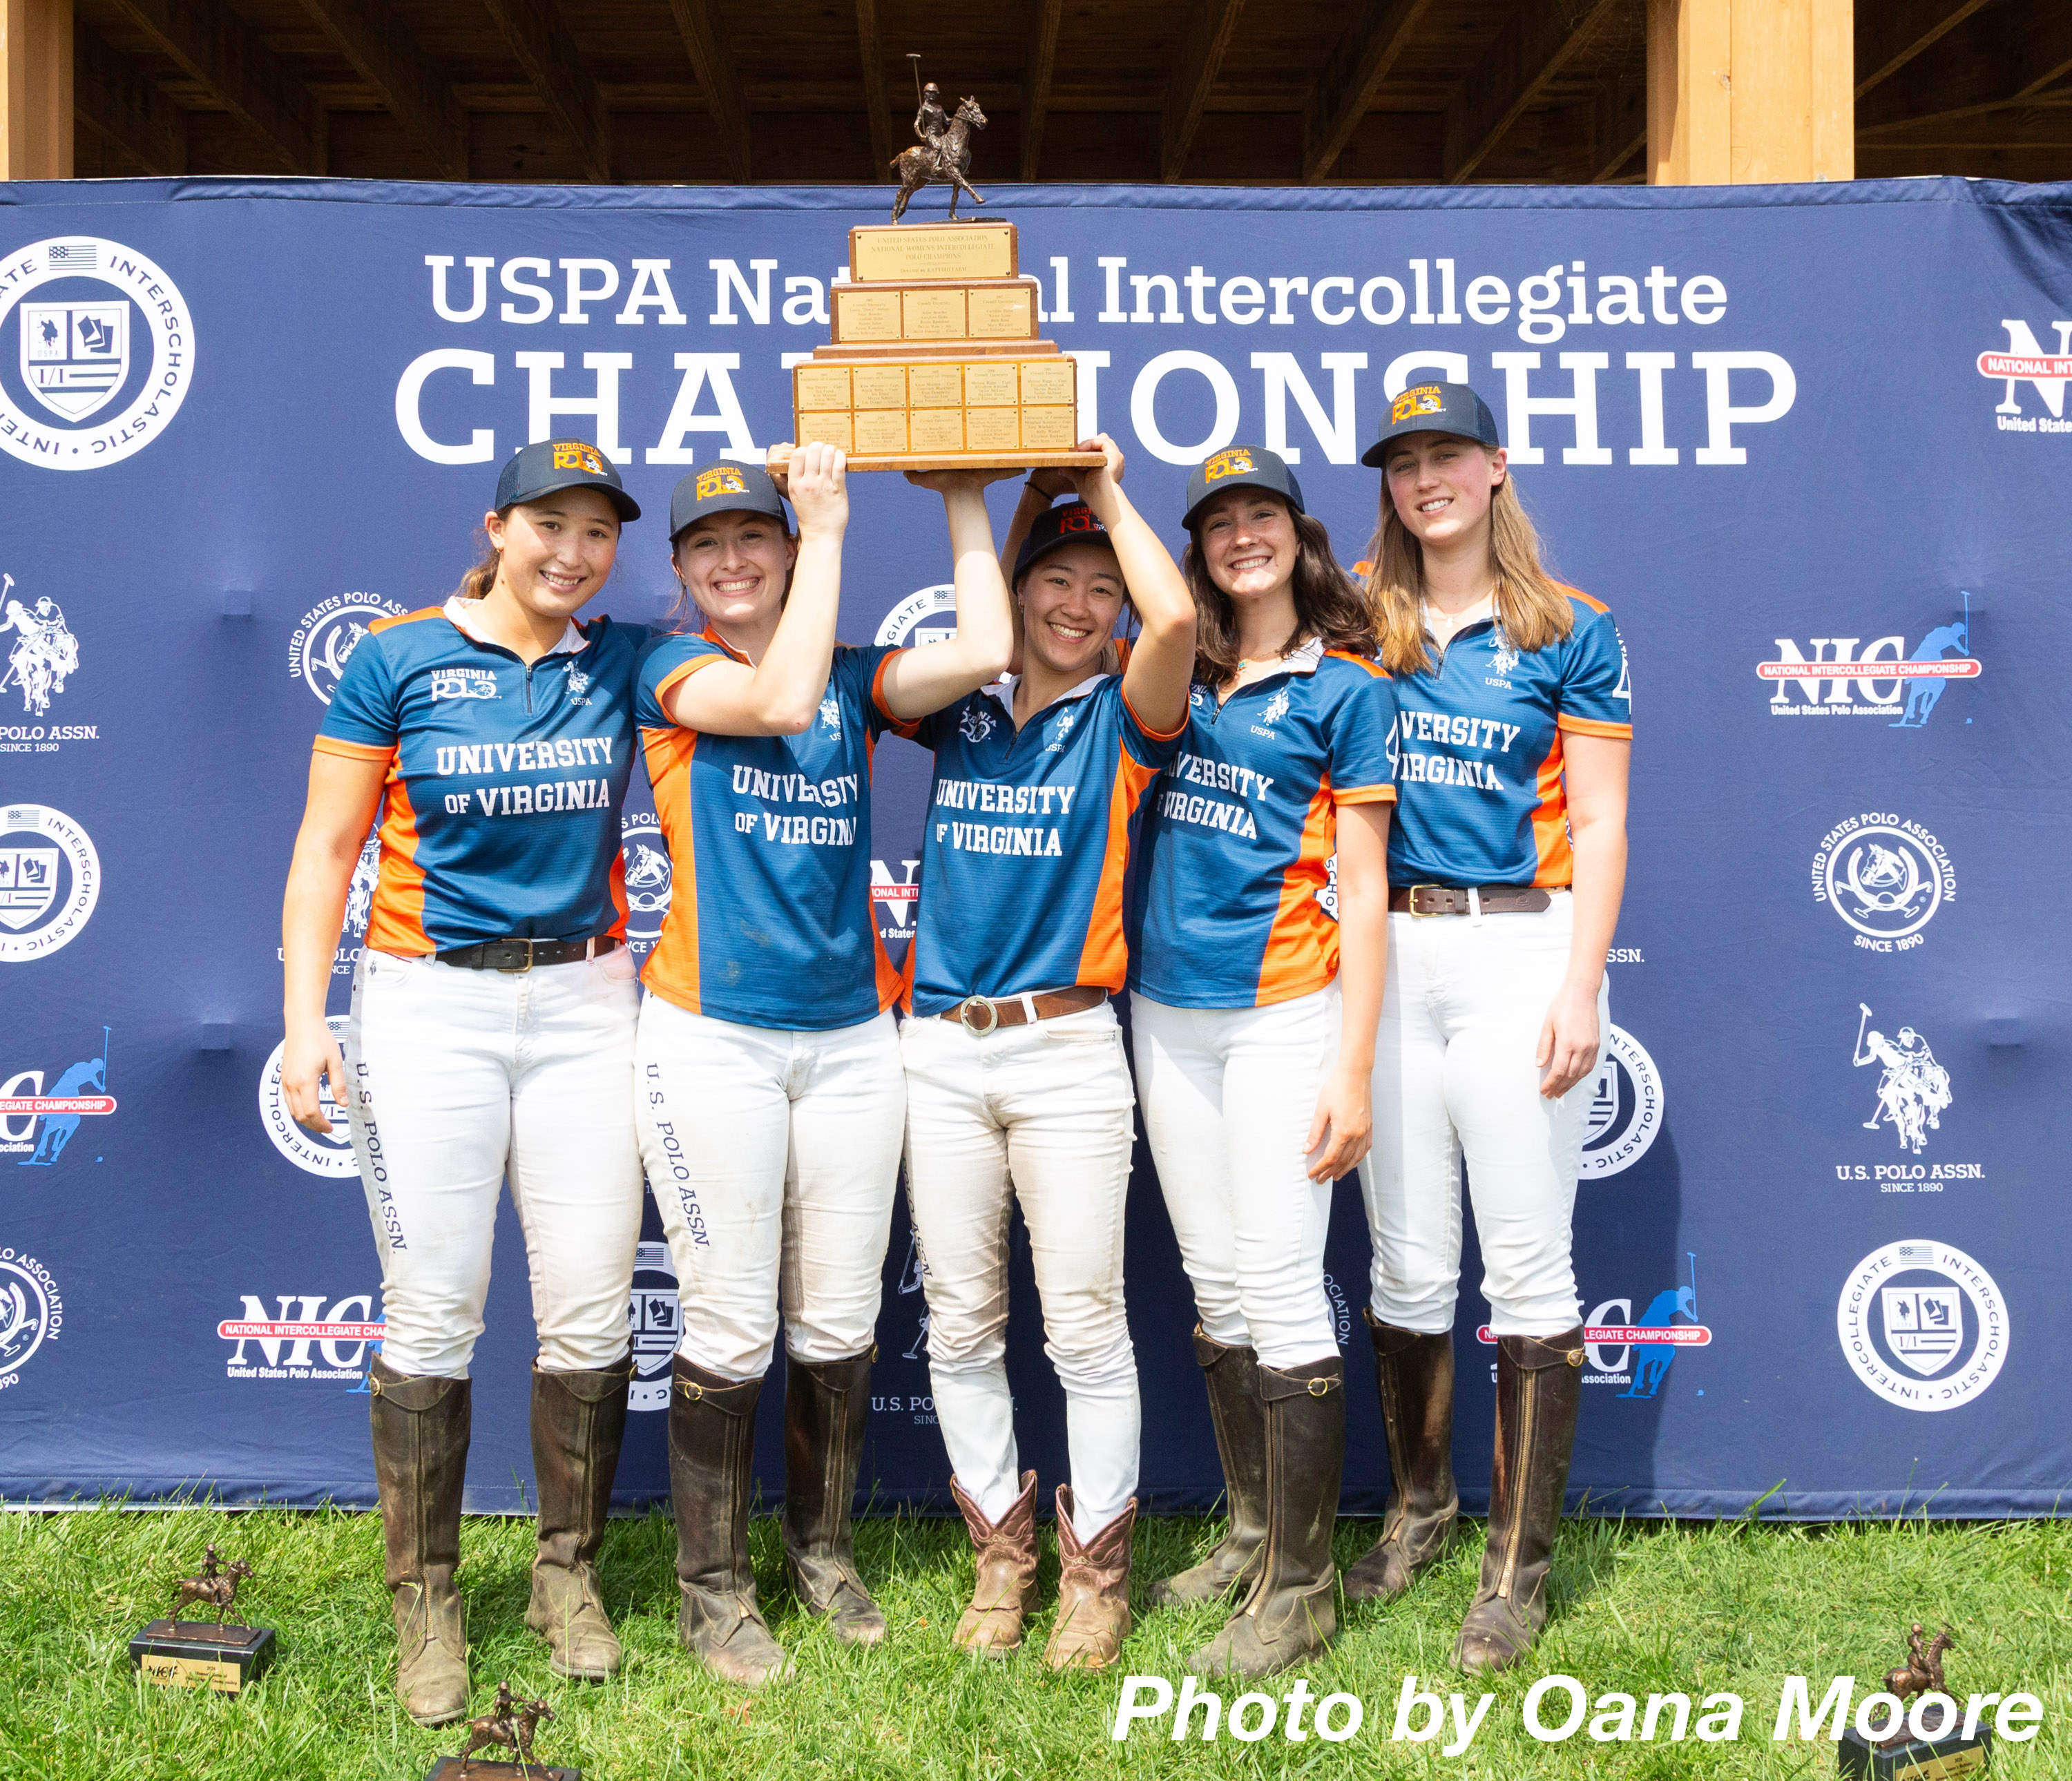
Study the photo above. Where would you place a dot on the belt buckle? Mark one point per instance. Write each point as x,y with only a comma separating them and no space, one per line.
518,971
1418,914
971,1026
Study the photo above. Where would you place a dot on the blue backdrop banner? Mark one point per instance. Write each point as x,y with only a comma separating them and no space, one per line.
1811,444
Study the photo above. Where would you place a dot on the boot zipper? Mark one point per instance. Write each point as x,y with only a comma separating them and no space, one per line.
1518,1488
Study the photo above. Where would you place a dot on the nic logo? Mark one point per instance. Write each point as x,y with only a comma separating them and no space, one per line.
1637,1351
36,1121
899,897
303,1340
462,683
1829,678
2025,361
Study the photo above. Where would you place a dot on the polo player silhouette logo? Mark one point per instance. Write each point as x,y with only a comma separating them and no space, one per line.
45,650
1924,693
1504,653
1277,708
1913,1090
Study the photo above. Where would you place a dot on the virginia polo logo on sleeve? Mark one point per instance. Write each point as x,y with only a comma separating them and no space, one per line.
1425,398
1922,1324
1236,462
50,880
2026,362
101,355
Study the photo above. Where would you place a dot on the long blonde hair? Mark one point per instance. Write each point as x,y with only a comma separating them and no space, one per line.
1532,607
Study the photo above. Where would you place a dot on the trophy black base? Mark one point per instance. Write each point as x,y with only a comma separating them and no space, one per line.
451,1768
1922,1759
198,1654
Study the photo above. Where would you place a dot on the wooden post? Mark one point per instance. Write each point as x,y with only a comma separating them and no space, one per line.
1750,92
35,89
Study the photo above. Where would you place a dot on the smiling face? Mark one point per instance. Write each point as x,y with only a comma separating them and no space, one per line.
1070,601
557,551
1442,484
1249,543
736,564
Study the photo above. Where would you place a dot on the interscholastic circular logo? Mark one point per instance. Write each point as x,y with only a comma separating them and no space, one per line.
648,877
330,632
50,879
1626,1108
1885,876
329,1156
1923,1324
96,352
655,1319
927,615
31,1311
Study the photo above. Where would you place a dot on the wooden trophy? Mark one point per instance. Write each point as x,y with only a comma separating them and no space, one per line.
218,1654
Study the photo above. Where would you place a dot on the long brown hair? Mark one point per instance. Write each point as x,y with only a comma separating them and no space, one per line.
1532,607
685,615
1329,604
480,579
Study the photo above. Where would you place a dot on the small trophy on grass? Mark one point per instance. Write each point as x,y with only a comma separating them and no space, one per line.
1942,1755
219,1654
507,1725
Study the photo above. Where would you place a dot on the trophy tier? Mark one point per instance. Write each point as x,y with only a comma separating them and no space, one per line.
934,362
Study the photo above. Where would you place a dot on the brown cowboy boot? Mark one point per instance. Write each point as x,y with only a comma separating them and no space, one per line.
712,1439
1005,1587
1416,1375
1093,1591
421,1431
1539,1385
1291,1611
578,1421
1232,1378
827,1404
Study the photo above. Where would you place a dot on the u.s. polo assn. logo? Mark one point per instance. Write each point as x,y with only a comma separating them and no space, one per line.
50,880
1885,876
31,1313
649,878
1924,1326
331,630
101,356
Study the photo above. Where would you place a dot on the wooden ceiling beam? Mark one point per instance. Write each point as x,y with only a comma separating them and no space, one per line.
113,97
1619,126
719,79
1206,37
546,50
367,34
1891,33
2003,57
1528,53
870,45
218,52
1036,88
1352,75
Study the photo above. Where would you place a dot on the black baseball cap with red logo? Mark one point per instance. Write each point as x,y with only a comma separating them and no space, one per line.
721,488
1240,466
549,465
1435,408
1073,523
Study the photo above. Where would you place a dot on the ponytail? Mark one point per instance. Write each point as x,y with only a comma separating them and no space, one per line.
480,579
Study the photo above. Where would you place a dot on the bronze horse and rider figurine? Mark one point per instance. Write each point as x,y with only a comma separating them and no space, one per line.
216,1587
945,153
507,1725
1921,1674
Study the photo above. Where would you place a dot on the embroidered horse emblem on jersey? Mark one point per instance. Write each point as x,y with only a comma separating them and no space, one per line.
578,685
976,725
720,479
1277,708
1236,462
1504,656
831,715
1426,399
1063,729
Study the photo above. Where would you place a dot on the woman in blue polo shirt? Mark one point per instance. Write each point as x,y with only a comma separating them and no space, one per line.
1508,859
770,1099
492,1034
1255,977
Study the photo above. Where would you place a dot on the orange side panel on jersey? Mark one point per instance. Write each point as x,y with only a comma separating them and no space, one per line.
1105,958
1550,822
1302,947
671,970
397,923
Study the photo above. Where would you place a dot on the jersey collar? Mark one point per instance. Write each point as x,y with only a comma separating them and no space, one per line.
1304,660
461,612
709,635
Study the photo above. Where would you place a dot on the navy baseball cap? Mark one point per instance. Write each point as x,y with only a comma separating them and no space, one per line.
719,488
1241,467
1073,523
1435,408
547,465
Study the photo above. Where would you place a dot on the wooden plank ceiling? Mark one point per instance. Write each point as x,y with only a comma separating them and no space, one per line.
1249,92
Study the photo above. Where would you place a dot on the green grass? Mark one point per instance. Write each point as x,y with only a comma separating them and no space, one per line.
1641,1607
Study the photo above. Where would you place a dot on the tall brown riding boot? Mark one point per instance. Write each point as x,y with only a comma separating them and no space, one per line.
1539,1384
827,1405
1291,1611
1093,1591
421,1430
1232,1378
712,1439
578,1419
1416,1375
1005,1588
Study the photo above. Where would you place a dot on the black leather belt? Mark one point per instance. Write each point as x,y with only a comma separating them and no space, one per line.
1455,900
981,1014
522,955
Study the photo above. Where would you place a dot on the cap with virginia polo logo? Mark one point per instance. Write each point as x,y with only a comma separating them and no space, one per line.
1073,523
1241,467
721,488
1435,408
549,465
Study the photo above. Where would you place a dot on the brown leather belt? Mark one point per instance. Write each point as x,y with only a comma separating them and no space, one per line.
522,955
981,1014
1451,900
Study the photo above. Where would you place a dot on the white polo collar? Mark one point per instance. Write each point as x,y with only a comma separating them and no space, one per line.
1003,689
463,614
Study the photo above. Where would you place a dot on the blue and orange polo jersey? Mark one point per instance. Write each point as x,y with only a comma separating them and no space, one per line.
1477,747
1026,849
1232,908
771,922
499,816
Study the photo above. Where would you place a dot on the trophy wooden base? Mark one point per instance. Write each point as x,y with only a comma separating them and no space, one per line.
1923,1759
780,457
198,1654
452,1768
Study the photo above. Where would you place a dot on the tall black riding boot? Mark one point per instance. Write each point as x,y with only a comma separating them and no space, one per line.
1291,1611
1416,1376
421,1430
827,1406
578,1420
1232,1378
1539,1385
